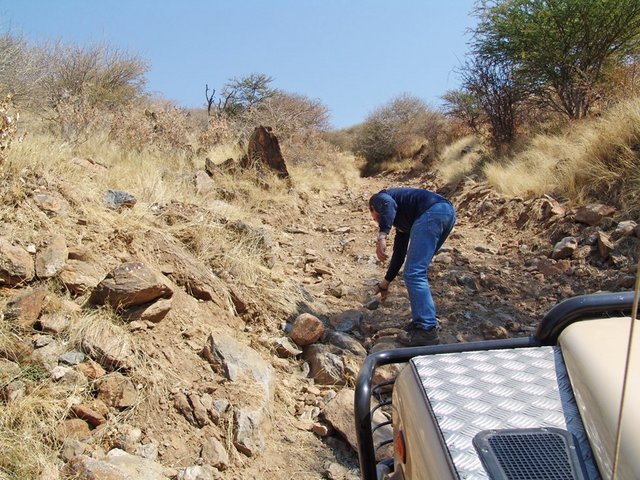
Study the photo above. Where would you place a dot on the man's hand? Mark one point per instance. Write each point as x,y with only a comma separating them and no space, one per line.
381,247
382,289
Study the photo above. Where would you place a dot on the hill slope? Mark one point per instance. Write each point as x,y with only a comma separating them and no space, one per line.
199,376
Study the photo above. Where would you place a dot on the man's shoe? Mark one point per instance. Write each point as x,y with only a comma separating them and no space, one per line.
414,336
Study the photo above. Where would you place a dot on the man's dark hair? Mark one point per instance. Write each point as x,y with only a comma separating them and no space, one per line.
371,199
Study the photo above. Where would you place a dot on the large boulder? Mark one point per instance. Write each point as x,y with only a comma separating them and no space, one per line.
79,276
244,367
16,264
265,148
25,307
306,329
339,413
110,346
129,285
51,259
236,361
117,465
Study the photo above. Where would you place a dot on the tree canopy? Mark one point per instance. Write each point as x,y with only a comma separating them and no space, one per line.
560,48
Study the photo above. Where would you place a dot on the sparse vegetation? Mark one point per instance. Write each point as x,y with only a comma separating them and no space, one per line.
91,127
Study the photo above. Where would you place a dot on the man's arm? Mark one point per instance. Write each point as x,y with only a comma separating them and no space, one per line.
400,246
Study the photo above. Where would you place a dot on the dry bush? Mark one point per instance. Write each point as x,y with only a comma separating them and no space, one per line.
324,171
83,85
622,82
403,128
344,139
22,69
103,75
217,131
75,119
9,117
28,440
160,125
534,171
295,119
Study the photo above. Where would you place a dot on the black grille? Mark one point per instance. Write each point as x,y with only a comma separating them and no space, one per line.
529,454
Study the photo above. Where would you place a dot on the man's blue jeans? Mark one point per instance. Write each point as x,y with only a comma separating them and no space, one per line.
428,233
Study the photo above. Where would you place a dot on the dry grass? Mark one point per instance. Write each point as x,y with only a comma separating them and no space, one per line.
27,431
28,439
534,171
609,169
460,159
330,172
595,161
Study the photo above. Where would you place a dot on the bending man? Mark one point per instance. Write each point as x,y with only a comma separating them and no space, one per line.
423,220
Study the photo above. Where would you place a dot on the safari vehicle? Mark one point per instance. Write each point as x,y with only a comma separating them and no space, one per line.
560,404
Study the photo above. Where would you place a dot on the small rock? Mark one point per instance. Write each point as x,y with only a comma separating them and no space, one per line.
129,285
248,437
72,447
150,451
605,245
93,413
117,199
286,348
564,248
55,323
626,228
13,391
204,183
198,472
16,264
40,341
345,342
79,276
347,320
25,307
75,428
321,430
117,391
150,312
72,358
90,369
306,329
51,259
593,214
49,203
213,453
326,365
58,372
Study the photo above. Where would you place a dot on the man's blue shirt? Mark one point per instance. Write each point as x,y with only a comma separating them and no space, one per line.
401,207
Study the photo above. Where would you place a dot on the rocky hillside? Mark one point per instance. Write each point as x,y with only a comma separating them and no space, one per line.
124,355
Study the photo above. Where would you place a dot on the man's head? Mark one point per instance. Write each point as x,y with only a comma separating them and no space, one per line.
374,214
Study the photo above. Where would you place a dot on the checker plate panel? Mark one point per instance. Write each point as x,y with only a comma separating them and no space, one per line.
499,389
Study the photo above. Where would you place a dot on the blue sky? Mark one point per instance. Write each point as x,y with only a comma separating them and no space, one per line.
352,55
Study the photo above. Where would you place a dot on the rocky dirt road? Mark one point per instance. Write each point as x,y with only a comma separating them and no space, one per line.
496,276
